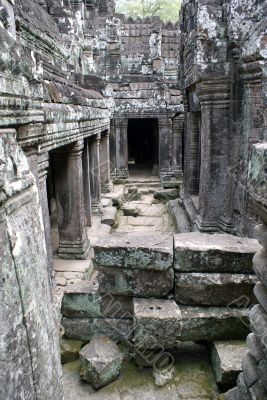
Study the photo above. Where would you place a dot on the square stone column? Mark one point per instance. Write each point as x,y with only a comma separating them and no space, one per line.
215,142
68,174
95,179
86,183
177,132
192,154
112,147
121,127
165,148
106,184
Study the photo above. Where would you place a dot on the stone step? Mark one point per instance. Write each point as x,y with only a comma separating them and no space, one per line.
226,358
213,289
132,251
109,216
201,252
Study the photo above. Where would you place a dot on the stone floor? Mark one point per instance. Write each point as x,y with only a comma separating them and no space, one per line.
193,380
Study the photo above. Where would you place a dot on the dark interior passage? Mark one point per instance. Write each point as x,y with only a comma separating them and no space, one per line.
143,146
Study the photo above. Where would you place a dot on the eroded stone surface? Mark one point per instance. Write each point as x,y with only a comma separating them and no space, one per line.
157,323
199,252
226,360
135,251
101,361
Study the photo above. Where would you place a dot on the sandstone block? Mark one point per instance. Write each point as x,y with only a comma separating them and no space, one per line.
135,251
136,282
233,394
101,361
200,252
69,349
249,368
119,330
241,384
213,289
109,216
157,323
213,323
258,321
262,372
257,391
259,266
226,357
254,347
166,194
261,294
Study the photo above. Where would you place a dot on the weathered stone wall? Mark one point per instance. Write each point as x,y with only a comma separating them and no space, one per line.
223,76
29,363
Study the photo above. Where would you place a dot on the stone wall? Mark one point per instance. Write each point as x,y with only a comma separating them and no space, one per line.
224,84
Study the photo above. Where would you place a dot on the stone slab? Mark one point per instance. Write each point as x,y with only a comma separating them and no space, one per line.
135,251
119,330
214,323
226,357
157,323
213,289
201,252
109,216
136,282
70,265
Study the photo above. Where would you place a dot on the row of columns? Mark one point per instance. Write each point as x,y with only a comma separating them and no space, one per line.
81,172
170,147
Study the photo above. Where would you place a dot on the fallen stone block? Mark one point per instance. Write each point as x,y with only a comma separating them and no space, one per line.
106,202
249,368
226,357
200,252
213,289
214,323
166,194
109,216
130,211
163,376
101,361
120,330
69,349
135,251
233,394
258,321
157,323
136,282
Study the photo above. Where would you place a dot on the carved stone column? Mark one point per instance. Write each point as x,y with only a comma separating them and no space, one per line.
215,133
43,163
106,184
165,148
112,146
86,183
177,131
121,126
192,156
95,179
68,174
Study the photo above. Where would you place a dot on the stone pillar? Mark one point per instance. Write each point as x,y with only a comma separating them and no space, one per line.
112,146
192,156
86,184
121,126
215,133
165,148
68,174
95,180
43,163
177,131
106,184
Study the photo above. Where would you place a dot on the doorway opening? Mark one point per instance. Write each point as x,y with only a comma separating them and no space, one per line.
143,147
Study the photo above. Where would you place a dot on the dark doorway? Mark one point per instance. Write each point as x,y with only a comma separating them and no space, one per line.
143,146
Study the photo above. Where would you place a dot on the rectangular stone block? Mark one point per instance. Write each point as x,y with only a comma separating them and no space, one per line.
200,252
134,251
119,330
157,323
136,282
214,323
226,357
213,289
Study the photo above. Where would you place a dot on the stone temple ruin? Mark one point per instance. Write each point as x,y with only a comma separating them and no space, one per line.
133,202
